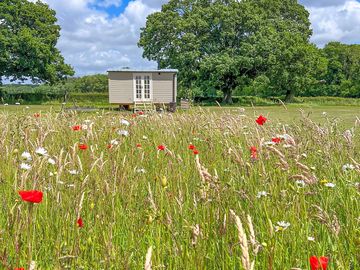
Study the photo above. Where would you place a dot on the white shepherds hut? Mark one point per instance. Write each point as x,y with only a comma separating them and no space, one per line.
128,87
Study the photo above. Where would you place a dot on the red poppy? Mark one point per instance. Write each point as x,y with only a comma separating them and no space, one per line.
134,115
196,152
141,113
83,146
33,196
37,115
276,140
109,146
21,268
76,128
80,222
319,263
261,120
161,147
192,147
138,145
253,152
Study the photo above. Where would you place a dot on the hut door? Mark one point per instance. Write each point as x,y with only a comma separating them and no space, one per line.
142,87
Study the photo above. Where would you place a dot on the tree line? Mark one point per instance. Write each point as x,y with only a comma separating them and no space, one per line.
228,47
257,47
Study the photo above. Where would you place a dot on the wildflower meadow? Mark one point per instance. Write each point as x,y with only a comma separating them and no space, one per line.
188,190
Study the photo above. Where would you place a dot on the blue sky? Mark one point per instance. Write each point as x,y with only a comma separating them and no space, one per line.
113,10
98,35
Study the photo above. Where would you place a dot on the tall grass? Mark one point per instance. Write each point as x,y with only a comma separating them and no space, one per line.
144,208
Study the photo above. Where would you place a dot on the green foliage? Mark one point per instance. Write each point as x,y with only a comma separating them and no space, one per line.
89,99
343,76
223,44
28,37
329,101
88,84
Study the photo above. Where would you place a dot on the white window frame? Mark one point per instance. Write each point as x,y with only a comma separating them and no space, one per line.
142,75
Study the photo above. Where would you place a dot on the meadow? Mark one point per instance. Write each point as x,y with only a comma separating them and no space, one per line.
214,188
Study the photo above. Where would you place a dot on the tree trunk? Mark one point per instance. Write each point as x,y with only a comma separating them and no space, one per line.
227,97
290,94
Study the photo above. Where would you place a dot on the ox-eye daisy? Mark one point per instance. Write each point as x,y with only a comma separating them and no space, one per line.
25,166
73,172
123,133
330,185
124,122
282,226
262,194
51,161
348,167
41,151
27,156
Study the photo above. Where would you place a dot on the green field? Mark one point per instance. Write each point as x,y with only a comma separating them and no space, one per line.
222,208
280,114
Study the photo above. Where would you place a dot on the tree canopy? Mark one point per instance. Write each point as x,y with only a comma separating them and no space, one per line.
28,38
343,74
223,44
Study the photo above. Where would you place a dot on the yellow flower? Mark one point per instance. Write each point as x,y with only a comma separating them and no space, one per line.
324,181
164,181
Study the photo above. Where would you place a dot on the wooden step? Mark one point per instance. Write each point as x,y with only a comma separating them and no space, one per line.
144,106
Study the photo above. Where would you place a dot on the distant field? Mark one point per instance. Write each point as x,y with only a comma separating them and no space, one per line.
208,188
282,114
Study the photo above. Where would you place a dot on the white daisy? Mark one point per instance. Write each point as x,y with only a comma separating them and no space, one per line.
27,156
145,137
300,183
73,172
310,238
124,122
141,170
348,167
25,166
282,226
268,143
51,161
114,142
330,185
123,133
41,151
262,194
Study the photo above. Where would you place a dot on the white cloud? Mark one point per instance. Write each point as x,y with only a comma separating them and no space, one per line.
109,3
340,22
322,3
93,42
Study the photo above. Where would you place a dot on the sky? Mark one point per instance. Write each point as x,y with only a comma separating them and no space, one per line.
98,35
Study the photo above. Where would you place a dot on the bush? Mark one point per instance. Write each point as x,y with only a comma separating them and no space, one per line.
328,101
237,100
